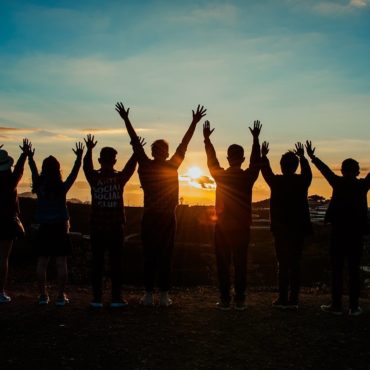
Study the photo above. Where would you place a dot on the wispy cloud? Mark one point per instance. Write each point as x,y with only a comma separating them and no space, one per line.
339,8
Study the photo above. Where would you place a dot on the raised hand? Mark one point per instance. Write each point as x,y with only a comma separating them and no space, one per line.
255,131
141,141
122,111
207,132
199,114
26,148
265,149
79,149
89,141
310,150
299,150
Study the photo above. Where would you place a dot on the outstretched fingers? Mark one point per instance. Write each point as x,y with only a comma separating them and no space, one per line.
199,113
257,126
141,141
310,150
90,141
265,148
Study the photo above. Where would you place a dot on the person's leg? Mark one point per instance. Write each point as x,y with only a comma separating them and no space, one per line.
282,257
337,257
149,252
223,257
354,252
240,251
5,249
98,249
115,257
295,253
42,265
62,273
166,241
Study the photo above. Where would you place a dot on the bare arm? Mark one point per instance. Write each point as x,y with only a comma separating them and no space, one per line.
76,167
26,147
212,162
254,162
266,170
88,165
329,175
135,141
179,155
306,172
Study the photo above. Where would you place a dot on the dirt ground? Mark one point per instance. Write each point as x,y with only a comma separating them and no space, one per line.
191,334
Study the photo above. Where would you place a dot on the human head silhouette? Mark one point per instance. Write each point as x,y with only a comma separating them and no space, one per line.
289,163
160,149
107,158
50,167
350,168
235,155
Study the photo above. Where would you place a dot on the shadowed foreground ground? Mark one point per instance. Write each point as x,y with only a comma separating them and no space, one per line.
189,335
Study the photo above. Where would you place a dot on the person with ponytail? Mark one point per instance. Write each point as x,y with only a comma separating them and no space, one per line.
53,218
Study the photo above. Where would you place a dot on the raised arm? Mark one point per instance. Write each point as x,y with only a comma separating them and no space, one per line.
32,164
135,141
306,172
26,147
130,166
76,167
329,175
266,170
179,155
88,165
212,162
255,159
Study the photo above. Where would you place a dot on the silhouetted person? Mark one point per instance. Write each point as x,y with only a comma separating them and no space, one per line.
160,183
53,218
347,213
234,216
107,219
290,219
10,225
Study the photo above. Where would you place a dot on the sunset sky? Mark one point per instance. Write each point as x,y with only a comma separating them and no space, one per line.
299,66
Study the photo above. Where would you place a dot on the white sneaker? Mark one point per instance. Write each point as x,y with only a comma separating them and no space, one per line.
165,300
147,299
4,298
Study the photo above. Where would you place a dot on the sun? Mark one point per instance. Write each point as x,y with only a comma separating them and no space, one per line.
194,172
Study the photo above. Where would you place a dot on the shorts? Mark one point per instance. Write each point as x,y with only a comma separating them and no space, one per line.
53,240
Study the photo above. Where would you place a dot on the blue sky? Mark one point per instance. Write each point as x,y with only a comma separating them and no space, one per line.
301,67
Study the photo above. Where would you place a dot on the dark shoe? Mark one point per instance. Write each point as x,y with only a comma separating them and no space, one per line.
240,306
121,303
280,304
223,306
43,299
292,305
96,304
62,300
329,308
355,311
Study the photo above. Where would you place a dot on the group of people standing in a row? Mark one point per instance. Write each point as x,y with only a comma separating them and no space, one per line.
290,218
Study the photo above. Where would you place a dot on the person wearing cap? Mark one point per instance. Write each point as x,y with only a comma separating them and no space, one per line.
53,218
107,219
10,225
